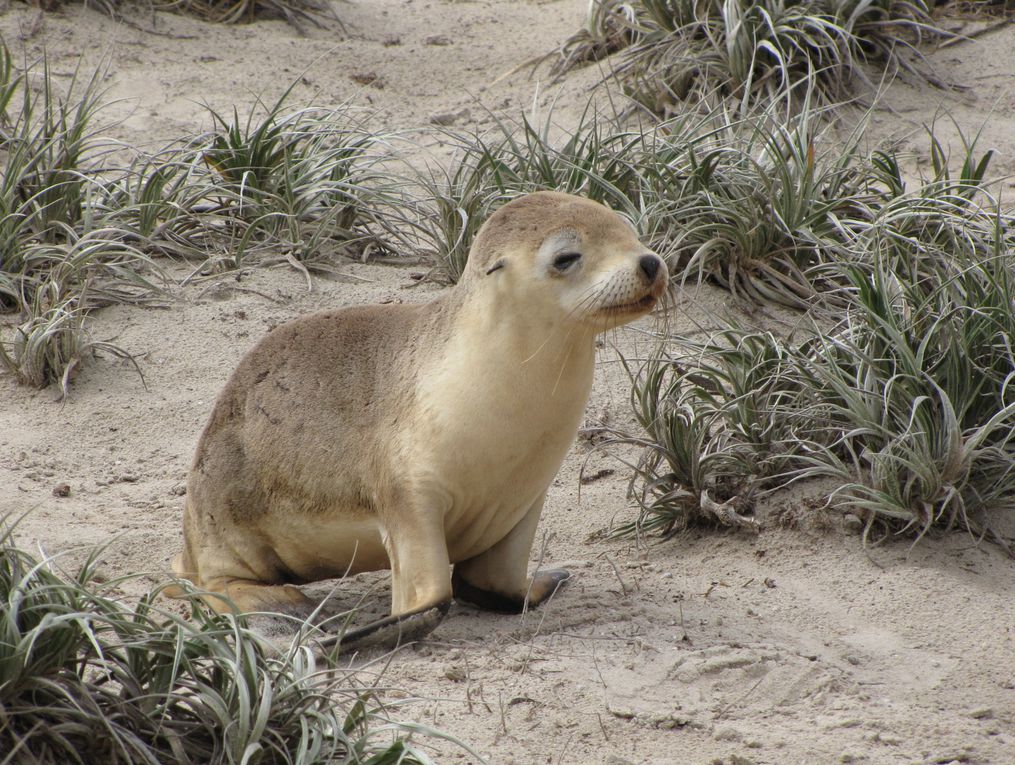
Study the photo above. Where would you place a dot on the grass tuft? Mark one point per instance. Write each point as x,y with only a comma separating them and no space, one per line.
58,258
289,181
905,394
747,51
908,402
77,231
296,12
593,159
85,678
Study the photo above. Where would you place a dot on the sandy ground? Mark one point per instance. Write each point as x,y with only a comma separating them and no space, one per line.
793,646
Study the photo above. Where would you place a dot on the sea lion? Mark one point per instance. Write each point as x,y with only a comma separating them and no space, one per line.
413,437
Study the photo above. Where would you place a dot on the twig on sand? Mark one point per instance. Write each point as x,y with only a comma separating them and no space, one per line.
736,701
975,33
503,717
623,586
595,663
602,727
563,749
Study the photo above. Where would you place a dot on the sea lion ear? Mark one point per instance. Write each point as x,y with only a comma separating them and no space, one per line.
496,266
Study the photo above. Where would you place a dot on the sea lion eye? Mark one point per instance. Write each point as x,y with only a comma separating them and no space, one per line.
565,260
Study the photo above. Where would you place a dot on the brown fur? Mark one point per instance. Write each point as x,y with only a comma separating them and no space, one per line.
410,436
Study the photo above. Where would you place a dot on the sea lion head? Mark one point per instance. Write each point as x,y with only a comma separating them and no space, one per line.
572,259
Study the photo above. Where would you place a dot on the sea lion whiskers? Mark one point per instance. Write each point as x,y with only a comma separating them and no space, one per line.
591,294
563,364
571,325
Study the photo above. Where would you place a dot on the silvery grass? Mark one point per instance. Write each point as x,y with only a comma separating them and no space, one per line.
51,147
85,678
711,435
770,207
296,12
54,340
442,209
908,402
300,183
58,258
80,226
760,205
748,51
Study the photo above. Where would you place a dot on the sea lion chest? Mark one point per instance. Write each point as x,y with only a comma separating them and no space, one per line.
495,417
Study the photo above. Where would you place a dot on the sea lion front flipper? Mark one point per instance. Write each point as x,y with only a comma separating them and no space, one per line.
391,631
420,581
542,585
497,579
545,583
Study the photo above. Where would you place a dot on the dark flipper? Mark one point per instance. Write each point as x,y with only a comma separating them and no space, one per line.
392,631
543,585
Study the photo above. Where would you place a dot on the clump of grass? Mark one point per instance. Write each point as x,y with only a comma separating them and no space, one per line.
746,50
610,26
771,208
908,402
57,257
921,383
298,185
75,234
291,181
709,442
45,144
594,159
85,678
238,11
53,342
296,12
157,205
757,204
458,201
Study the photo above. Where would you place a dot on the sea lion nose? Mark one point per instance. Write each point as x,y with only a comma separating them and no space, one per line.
649,265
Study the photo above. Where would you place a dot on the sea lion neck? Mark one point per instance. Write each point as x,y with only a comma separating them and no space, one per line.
494,319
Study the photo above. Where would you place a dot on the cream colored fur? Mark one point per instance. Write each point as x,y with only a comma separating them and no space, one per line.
413,437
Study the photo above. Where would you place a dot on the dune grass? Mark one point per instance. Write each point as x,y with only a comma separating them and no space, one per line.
761,205
58,258
292,183
296,12
82,227
87,678
746,51
907,400
442,209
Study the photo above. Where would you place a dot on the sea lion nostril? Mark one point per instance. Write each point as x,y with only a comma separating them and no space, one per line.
649,265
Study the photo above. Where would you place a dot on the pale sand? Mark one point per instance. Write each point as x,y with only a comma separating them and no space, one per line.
795,646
